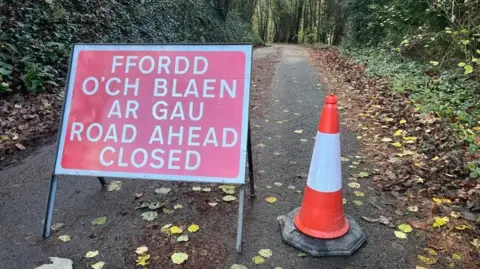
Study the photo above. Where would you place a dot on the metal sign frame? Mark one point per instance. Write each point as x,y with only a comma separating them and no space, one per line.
245,149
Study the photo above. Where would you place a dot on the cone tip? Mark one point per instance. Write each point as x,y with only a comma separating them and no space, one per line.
331,99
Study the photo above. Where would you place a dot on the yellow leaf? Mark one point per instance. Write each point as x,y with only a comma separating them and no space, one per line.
405,228
228,189
177,206
475,242
271,199
359,193
166,228
91,254
358,202
400,235
441,200
409,138
354,185
141,250
463,227
207,189
435,158
345,201
430,251
419,267
434,63
258,260
386,139
403,121
193,228
182,238
98,265
266,253
427,260
175,230
456,256
397,144
142,260
197,188
398,133
439,222
179,257
64,238
455,214
228,198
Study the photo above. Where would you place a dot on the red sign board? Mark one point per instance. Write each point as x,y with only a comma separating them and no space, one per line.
170,112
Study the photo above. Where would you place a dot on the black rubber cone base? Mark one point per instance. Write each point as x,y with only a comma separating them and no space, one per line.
342,246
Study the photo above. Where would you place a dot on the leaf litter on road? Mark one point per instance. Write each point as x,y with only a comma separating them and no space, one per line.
179,257
162,190
91,254
149,215
98,265
193,228
99,221
115,185
229,198
64,238
258,260
271,200
141,250
266,253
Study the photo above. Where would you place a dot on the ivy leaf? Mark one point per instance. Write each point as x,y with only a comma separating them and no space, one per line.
468,69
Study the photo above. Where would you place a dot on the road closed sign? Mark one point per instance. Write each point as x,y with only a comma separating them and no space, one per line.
167,112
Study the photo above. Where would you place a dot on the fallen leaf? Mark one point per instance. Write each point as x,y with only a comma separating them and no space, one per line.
228,198
298,131
207,189
427,260
455,214
178,206
417,224
175,230
91,254
354,185
463,227
271,199
381,219
261,145
142,260
98,265
400,235
343,159
386,139
182,238
166,228
359,193
266,253
64,238
439,222
419,267
149,215
301,254
162,190
57,226
142,250
345,201
413,208
154,205
258,260
179,257
276,153
405,228
398,133
358,203
436,158
431,251
213,204
193,228
228,189
196,188
115,185
167,211
363,174
278,184
303,140
403,121
99,221
397,144
238,266
20,146
441,200
138,195
291,187
475,242
456,256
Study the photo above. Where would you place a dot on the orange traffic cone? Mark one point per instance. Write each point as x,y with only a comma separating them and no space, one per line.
321,214
319,226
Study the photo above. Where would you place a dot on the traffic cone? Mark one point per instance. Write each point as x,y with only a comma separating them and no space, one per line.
319,226
321,214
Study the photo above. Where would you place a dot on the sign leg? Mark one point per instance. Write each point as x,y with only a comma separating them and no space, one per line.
49,213
102,181
240,219
250,162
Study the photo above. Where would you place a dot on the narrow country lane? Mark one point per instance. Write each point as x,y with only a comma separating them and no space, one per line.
281,161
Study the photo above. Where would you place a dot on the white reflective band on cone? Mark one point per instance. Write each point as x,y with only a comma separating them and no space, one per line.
325,173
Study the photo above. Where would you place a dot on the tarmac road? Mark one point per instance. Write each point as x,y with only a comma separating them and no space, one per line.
293,103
